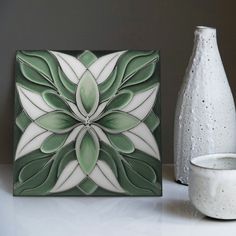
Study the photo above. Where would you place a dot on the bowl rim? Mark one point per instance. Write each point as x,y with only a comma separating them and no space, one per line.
213,157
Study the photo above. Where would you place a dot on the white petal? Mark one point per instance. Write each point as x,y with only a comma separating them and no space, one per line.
98,111
104,65
75,109
31,139
74,133
70,65
71,176
142,103
101,135
103,176
143,140
32,103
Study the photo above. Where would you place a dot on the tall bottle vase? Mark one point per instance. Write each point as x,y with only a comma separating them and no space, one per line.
205,120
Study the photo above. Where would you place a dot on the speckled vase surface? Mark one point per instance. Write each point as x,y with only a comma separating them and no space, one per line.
86,123
205,119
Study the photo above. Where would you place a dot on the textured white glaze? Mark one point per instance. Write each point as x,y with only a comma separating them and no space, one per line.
205,120
212,185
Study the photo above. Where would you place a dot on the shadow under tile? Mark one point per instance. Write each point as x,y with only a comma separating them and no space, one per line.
6,180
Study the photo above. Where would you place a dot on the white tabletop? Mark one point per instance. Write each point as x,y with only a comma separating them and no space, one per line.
169,215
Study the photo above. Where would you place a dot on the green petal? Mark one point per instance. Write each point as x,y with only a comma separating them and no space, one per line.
55,101
117,75
43,180
118,121
87,150
152,121
143,169
87,94
70,156
88,186
50,64
35,180
33,87
144,86
87,58
47,185
57,122
70,86
37,64
106,157
32,168
105,86
131,181
141,75
26,159
144,157
22,121
139,180
139,63
120,100
17,103
109,87
128,64
53,142
33,75
121,142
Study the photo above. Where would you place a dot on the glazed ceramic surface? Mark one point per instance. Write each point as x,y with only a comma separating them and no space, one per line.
212,185
205,120
86,123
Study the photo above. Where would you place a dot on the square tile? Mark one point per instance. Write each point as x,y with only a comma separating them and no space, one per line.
87,123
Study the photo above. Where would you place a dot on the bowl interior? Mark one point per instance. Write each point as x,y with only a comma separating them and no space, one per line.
216,162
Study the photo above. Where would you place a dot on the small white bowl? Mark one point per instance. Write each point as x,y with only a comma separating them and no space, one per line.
212,185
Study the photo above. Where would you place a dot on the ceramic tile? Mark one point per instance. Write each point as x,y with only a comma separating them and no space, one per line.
86,123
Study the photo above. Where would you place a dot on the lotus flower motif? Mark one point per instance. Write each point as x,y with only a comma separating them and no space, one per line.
86,123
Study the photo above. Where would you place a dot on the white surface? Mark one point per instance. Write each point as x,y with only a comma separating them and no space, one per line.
169,215
205,120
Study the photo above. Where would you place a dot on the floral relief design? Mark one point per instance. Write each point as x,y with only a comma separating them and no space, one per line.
86,123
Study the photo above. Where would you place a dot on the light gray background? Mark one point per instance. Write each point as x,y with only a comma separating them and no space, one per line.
167,25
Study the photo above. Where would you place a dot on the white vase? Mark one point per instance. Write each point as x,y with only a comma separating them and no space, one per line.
205,121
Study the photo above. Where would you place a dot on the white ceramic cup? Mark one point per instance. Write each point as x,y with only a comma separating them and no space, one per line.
212,185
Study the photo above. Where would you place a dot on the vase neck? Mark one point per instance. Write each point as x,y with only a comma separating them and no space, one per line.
205,57
205,51
205,38
205,33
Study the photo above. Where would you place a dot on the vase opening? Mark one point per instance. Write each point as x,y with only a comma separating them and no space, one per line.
205,30
204,27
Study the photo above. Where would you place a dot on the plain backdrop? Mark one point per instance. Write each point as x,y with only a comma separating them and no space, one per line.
167,25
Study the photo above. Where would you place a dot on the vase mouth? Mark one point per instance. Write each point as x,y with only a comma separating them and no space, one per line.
205,29
202,27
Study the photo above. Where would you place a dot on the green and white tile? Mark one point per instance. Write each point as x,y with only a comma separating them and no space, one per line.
87,123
